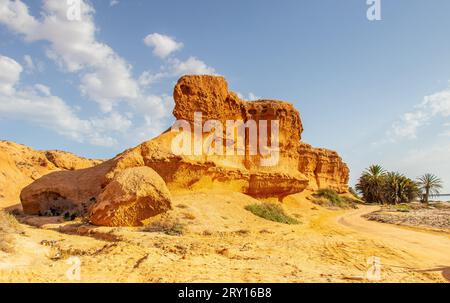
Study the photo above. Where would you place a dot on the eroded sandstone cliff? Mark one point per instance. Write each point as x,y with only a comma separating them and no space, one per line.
21,165
299,165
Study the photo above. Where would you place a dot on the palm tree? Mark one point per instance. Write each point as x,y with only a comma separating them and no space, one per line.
430,185
392,187
399,189
411,190
370,185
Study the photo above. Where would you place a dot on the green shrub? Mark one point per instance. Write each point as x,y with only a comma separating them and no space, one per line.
271,212
330,198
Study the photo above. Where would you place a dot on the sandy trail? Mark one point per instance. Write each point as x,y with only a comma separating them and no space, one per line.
433,249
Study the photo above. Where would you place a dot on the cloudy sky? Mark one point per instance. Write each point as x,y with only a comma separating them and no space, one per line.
377,92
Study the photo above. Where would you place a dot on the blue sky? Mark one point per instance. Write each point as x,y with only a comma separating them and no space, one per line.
377,92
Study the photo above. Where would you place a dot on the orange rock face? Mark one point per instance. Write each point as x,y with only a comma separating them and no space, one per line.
299,161
324,168
21,165
208,95
299,165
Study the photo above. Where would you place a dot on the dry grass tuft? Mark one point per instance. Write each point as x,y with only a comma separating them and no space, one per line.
167,226
8,227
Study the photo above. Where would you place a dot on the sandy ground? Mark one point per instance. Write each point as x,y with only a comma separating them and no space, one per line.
225,243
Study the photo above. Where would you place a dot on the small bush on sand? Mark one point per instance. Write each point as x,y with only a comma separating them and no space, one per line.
8,227
271,212
330,198
169,227
8,223
404,208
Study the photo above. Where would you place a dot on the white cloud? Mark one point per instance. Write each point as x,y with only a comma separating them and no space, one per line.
191,66
29,64
438,104
38,106
409,124
113,3
9,75
46,111
147,78
105,76
150,129
435,105
162,45
177,68
251,96
113,122
107,85
156,105
45,90
15,15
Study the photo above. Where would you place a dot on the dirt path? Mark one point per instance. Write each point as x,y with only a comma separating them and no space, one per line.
431,249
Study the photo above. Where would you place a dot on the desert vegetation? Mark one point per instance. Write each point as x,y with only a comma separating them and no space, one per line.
271,212
376,185
8,227
430,185
330,198
168,226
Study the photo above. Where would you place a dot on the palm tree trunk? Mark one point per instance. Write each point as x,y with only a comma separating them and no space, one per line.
427,194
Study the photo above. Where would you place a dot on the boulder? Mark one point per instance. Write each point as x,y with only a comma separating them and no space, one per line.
134,195
62,191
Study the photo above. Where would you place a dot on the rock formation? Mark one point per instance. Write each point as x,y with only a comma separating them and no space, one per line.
134,195
299,165
21,165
